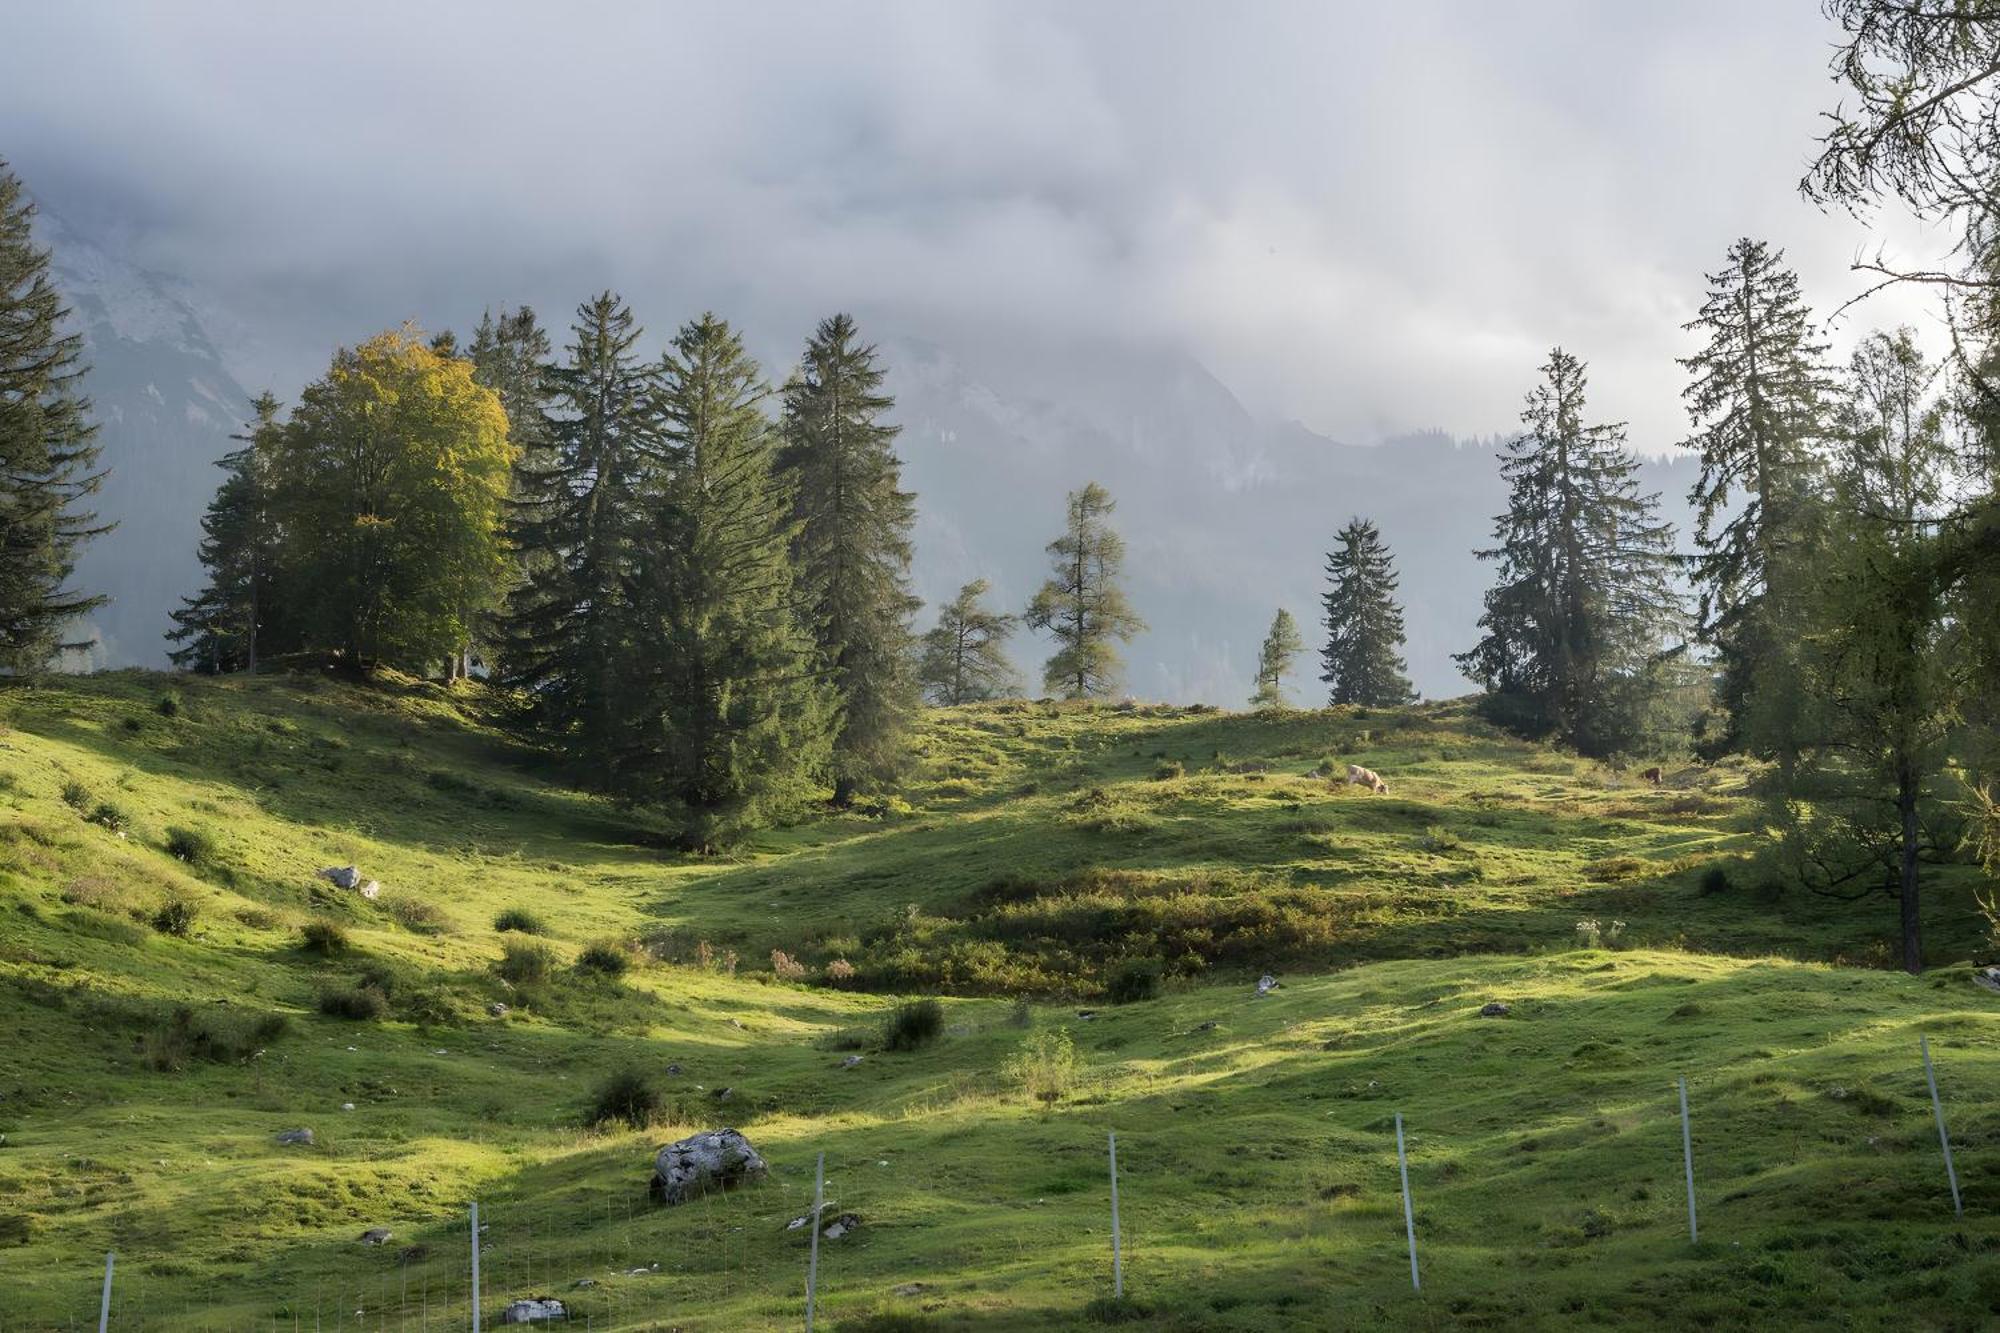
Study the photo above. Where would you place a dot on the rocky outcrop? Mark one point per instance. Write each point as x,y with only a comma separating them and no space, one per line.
719,1159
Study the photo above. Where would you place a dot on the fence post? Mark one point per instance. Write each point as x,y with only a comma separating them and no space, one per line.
812,1264
1687,1163
1409,1215
104,1305
1117,1253
1944,1139
475,1266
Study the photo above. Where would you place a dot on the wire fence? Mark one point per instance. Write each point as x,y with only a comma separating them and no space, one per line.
517,1265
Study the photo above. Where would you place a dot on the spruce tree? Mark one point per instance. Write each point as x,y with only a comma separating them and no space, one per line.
1892,462
510,356
1274,662
593,457
1583,602
1082,604
1758,399
48,454
964,655
219,628
1362,662
728,720
852,521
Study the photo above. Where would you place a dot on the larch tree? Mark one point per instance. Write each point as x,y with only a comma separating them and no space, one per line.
574,520
1082,603
48,451
1282,646
1758,397
220,627
388,484
1583,601
1362,662
852,521
964,657
728,718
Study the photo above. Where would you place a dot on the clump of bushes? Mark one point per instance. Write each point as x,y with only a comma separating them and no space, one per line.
417,915
176,916
524,964
109,815
191,845
76,796
323,936
1438,838
840,971
787,967
1169,769
606,958
363,1003
216,1034
1714,880
911,1025
1045,1067
1612,869
518,919
169,705
1134,980
627,1096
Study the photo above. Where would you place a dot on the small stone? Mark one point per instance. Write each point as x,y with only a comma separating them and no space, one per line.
910,1289
1086,1014
850,1062
341,877
375,1236
1209,1026
371,890
540,1310
583,1283
302,1137
347,1106
1495,1009
723,1094
841,1226
497,1009
1266,984
673,1071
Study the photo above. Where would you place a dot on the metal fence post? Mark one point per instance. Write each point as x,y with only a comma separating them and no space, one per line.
475,1266
1687,1162
1117,1254
104,1305
1409,1214
812,1264
1944,1138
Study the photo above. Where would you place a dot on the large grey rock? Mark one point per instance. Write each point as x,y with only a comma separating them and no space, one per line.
717,1160
302,1137
376,1236
342,877
540,1310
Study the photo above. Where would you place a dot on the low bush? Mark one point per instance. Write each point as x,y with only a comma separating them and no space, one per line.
1714,880
191,845
110,816
217,1034
840,971
76,796
1045,1067
788,968
323,936
1133,981
524,964
627,1096
1168,770
606,958
912,1025
417,915
362,1003
168,706
176,916
518,919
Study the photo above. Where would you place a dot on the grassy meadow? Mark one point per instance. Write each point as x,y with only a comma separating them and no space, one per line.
177,987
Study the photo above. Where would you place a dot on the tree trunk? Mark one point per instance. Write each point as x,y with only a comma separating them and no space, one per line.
1906,806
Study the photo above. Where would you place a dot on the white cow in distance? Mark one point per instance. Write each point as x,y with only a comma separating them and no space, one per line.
1357,776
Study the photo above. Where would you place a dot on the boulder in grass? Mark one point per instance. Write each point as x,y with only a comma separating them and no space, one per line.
376,1236
1495,1009
302,1137
719,1159
341,877
535,1310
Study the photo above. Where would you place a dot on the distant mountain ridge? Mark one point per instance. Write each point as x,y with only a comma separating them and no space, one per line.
1226,517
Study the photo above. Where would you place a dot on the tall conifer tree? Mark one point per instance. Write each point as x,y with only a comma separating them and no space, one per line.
220,627
510,356
1757,396
1281,648
48,454
852,521
1583,601
1363,658
728,722
1082,604
594,457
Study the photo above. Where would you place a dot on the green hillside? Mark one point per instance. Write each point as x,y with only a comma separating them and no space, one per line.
159,843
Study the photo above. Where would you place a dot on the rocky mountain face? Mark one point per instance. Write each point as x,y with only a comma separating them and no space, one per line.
165,406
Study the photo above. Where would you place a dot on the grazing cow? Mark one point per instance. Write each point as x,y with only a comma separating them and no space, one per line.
1652,775
1357,776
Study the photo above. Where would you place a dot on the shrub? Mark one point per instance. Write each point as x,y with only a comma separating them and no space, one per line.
787,967
840,971
191,845
324,937
1714,880
417,915
1437,838
217,1034
176,916
1138,979
76,796
168,706
607,958
524,964
913,1024
1611,869
362,1003
518,918
1045,1067
628,1096
1168,770
110,816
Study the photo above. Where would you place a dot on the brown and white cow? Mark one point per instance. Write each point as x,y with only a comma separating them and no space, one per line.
1357,776
1651,775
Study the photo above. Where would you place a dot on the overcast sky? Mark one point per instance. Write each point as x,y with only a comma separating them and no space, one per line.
1370,217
